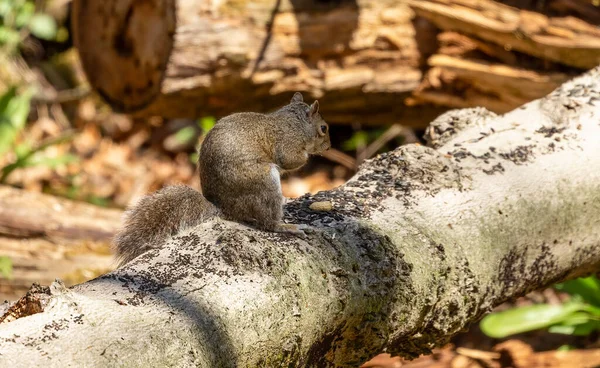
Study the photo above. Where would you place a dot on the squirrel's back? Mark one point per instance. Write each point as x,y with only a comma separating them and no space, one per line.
158,216
240,161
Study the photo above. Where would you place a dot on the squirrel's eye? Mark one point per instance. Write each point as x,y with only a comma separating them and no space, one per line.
323,129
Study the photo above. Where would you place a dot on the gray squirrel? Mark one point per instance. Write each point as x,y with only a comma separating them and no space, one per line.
240,163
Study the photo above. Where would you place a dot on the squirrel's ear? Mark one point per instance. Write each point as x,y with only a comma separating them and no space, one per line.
314,108
297,97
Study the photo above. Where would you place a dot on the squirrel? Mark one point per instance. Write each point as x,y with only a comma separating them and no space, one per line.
240,162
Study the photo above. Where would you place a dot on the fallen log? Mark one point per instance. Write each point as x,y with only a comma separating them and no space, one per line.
189,58
47,237
566,40
464,83
419,244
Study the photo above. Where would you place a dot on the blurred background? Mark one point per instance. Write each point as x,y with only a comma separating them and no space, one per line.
103,101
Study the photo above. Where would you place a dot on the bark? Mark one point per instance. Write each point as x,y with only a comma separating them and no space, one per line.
501,57
362,59
464,83
46,237
420,243
189,58
568,40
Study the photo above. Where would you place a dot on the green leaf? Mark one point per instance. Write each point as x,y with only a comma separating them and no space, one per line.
185,135
36,160
6,267
43,26
576,318
7,135
62,35
27,156
194,157
50,162
586,287
22,150
207,123
24,15
6,6
98,201
6,98
360,138
17,109
582,329
528,318
14,110
9,37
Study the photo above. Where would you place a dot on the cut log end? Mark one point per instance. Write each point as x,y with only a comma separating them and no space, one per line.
124,47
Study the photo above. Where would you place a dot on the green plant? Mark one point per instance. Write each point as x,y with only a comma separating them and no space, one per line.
360,139
14,109
578,316
206,124
19,19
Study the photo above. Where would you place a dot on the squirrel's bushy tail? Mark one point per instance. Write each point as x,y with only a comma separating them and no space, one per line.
158,216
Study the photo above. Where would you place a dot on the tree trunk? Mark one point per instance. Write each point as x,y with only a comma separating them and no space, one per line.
419,244
362,59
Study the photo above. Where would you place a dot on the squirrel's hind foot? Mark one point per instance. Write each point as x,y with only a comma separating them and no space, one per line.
299,230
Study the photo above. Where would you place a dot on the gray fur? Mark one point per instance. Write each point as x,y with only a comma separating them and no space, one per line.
158,216
240,162
238,153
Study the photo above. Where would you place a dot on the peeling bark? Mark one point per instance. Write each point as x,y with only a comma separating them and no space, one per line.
566,40
420,243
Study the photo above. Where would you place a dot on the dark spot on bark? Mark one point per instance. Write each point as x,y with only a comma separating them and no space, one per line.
498,168
549,131
514,273
58,325
542,266
512,266
122,43
519,155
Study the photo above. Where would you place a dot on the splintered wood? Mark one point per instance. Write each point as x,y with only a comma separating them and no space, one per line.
500,57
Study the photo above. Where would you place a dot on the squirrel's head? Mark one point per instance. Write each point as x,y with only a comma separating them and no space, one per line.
319,141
